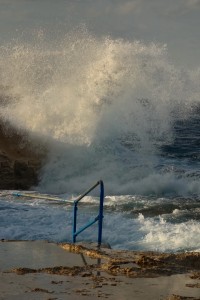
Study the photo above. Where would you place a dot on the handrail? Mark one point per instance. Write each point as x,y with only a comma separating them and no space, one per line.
18,194
98,218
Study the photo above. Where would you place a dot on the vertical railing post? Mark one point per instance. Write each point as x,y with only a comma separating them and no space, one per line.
100,223
74,222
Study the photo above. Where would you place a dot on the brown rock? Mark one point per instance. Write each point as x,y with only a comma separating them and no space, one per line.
20,159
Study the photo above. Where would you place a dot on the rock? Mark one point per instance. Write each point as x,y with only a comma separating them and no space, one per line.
20,159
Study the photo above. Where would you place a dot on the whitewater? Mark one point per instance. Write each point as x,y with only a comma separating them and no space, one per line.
108,109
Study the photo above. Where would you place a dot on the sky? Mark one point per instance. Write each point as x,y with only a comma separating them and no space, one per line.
175,23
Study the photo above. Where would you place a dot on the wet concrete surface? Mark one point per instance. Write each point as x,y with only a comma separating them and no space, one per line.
37,254
42,270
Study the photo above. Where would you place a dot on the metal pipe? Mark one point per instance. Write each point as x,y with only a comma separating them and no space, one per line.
87,192
39,197
74,222
101,212
86,226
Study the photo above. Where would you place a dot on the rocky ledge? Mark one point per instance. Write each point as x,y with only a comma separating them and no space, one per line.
20,159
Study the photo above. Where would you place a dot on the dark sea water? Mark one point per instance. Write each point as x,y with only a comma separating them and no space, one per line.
113,110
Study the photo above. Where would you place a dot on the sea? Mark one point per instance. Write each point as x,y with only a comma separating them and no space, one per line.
105,109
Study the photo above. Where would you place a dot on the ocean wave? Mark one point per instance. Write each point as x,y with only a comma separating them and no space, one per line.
104,108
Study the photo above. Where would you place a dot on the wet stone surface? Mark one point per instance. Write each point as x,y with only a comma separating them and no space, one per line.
37,270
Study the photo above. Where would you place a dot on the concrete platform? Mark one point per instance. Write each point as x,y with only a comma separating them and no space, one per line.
42,270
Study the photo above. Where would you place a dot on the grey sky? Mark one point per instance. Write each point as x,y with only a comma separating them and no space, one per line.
174,22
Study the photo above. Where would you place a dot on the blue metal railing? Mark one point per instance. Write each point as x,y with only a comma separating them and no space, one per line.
98,218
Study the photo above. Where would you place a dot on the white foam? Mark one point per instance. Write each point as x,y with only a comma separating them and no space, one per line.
29,220
161,235
89,98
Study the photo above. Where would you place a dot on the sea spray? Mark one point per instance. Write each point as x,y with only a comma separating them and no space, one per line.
104,106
